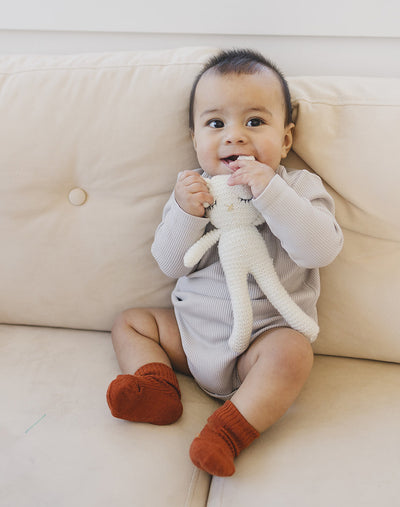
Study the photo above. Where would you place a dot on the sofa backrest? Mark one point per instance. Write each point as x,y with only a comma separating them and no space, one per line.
111,129
90,149
346,131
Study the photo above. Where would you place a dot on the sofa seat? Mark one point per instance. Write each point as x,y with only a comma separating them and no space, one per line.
60,446
337,446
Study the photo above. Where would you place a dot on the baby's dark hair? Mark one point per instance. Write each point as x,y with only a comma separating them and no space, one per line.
241,61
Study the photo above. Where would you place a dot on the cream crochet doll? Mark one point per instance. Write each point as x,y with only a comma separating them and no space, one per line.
242,250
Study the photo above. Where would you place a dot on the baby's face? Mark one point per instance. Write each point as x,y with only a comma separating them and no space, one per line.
239,114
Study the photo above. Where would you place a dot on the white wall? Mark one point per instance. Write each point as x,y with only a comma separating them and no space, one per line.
306,17
352,37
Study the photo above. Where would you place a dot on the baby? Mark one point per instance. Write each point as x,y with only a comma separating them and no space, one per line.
241,123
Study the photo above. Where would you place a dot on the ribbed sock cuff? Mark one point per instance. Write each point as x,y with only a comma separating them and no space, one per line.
239,431
162,372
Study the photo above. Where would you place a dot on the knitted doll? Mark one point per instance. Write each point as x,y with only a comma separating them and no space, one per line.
242,250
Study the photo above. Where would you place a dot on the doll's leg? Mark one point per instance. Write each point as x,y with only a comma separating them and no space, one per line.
147,343
267,279
241,308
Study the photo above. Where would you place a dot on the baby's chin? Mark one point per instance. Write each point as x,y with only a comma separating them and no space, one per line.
222,168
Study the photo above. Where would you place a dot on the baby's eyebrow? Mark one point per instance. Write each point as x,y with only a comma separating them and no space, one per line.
260,109
250,110
209,111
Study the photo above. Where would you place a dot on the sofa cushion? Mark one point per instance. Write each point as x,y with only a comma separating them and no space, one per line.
337,446
347,132
60,445
91,146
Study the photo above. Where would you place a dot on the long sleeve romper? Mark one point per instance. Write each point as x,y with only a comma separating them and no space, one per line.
301,234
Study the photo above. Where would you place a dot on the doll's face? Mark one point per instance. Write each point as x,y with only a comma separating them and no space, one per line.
232,204
239,114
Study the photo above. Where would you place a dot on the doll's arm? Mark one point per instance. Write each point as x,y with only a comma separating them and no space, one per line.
196,251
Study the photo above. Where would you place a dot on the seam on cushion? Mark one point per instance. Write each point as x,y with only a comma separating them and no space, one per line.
217,499
193,487
349,104
94,68
373,236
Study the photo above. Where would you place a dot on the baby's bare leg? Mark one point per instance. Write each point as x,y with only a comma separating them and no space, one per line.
145,335
147,343
274,370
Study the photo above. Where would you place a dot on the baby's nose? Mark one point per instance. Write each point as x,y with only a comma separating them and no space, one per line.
235,135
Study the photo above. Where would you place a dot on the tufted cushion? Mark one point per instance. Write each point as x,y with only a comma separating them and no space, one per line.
347,132
91,146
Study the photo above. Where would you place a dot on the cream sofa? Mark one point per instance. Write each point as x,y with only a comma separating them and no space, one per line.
90,149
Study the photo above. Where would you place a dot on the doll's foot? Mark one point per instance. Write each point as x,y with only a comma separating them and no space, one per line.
224,436
151,395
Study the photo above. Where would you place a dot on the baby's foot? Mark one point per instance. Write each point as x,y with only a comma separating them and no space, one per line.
224,436
151,395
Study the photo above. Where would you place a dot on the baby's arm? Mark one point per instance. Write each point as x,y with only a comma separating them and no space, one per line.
300,213
191,192
177,232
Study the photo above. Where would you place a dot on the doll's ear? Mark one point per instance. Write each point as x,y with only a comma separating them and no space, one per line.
208,183
209,186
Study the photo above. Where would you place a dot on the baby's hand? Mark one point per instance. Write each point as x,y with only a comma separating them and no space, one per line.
191,192
252,173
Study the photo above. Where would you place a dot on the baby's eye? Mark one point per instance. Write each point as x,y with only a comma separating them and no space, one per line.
215,124
255,122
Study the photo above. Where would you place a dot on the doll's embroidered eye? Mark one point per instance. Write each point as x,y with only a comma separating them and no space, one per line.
245,200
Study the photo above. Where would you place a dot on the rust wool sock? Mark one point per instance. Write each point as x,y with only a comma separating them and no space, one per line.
224,436
151,395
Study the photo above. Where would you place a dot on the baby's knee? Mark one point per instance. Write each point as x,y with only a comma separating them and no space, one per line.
296,356
138,321
121,321
119,327
132,318
285,351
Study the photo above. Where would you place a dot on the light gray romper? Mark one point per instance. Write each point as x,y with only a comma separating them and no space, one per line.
301,234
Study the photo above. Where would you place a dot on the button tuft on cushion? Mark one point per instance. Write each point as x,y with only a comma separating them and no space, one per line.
77,196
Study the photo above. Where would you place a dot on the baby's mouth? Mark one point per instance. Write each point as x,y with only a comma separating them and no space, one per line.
232,158
227,160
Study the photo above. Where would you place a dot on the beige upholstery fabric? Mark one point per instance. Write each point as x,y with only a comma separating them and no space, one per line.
59,444
347,132
337,446
115,127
